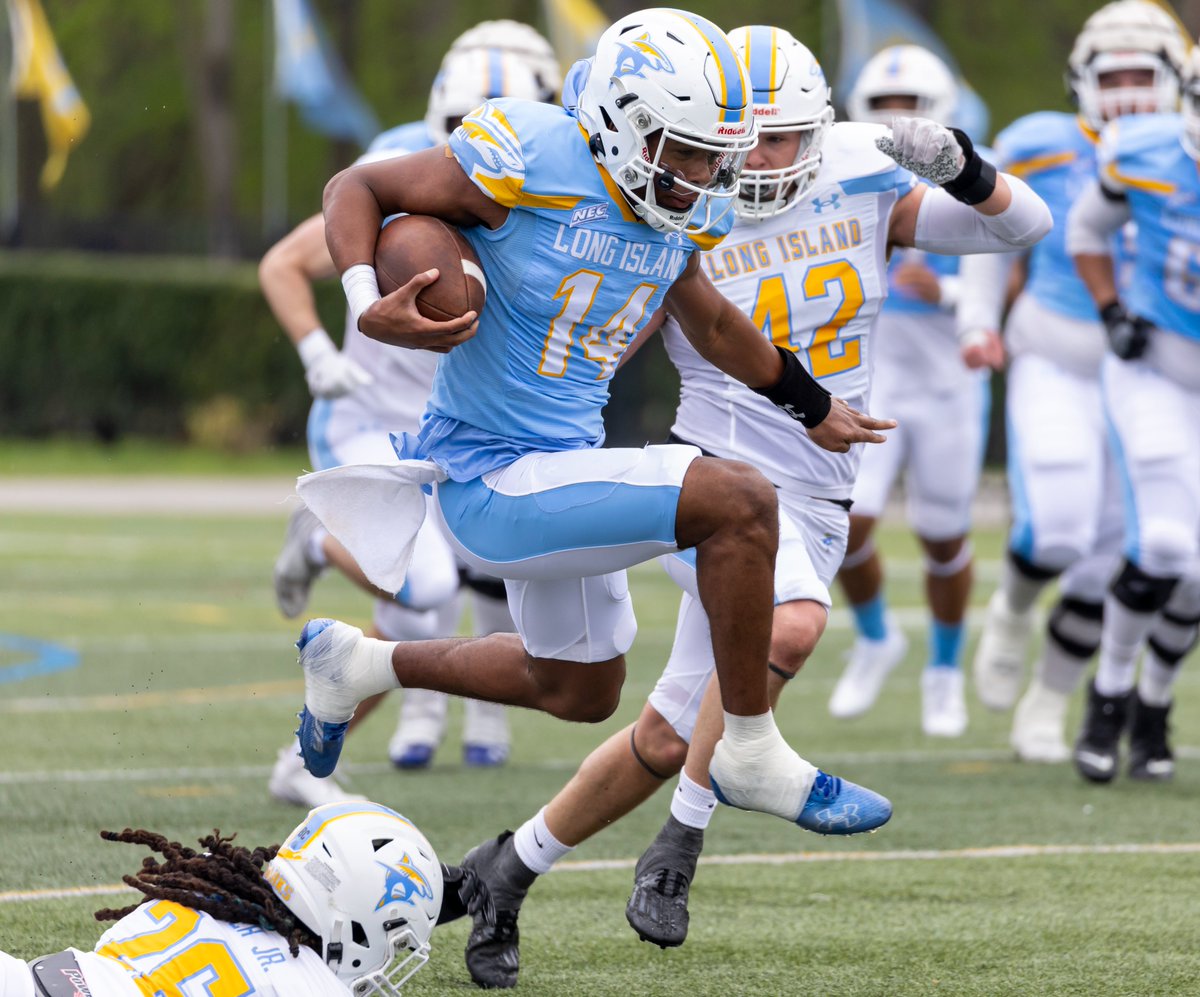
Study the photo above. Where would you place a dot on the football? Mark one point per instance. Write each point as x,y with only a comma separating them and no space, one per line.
412,244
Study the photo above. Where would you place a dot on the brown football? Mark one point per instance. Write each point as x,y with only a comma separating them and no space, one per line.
412,244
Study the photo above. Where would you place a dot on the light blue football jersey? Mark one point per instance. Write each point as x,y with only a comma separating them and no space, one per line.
1056,156
572,274
1143,155
413,136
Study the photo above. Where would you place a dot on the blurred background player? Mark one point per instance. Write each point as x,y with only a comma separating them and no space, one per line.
938,443
1065,495
819,205
370,389
275,920
1151,388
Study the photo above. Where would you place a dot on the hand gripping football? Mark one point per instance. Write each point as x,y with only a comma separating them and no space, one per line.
412,244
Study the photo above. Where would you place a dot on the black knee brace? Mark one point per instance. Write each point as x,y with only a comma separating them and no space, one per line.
1075,626
1030,570
1140,592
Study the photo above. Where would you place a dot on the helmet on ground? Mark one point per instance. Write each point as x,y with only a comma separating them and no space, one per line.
466,79
790,95
521,40
664,72
366,882
904,71
1126,35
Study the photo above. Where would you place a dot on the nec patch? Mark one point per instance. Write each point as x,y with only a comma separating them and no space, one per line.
588,213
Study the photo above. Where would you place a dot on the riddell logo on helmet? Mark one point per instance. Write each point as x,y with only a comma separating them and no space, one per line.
731,129
765,112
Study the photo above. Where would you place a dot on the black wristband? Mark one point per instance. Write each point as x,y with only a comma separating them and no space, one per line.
1111,313
977,180
797,393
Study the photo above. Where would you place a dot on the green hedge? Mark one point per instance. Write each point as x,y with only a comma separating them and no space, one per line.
131,345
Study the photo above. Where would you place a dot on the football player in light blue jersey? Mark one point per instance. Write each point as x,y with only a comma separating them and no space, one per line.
1151,383
820,205
368,390
586,222
1065,492
939,443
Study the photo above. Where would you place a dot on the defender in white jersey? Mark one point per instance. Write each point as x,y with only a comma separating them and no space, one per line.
346,905
820,205
1148,173
362,394
1063,481
938,445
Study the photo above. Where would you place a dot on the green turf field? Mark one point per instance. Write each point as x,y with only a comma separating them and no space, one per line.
992,878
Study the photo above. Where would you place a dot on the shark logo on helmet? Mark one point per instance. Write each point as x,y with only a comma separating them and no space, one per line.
404,883
636,56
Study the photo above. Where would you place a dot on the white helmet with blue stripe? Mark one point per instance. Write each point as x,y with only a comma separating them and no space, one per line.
790,95
670,72
366,882
523,41
904,71
467,78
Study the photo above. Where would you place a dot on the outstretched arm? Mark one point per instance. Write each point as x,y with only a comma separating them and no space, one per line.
727,339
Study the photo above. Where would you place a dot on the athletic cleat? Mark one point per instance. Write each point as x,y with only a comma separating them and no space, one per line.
413,756
870,663
485,756
294,570
1150,755
837,806
999,665
333,688
292,783
1096,750
657,908
1038,725
943,706
493,948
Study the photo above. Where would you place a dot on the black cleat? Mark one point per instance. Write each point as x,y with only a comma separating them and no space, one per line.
1096,749
657,908
1150,755
493,948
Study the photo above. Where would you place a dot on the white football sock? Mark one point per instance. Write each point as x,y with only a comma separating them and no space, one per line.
536,846
692,804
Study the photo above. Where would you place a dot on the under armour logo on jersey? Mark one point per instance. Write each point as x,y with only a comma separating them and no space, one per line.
636,56
821,203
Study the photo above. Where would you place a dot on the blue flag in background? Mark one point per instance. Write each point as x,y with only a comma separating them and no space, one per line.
868,26
308,73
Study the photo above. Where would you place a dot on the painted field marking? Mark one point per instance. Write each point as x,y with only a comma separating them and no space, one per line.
40,657
755,859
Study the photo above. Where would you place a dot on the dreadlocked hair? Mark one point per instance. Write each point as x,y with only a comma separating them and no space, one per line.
224,880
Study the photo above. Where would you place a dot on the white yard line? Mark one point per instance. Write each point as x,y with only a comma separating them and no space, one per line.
751,859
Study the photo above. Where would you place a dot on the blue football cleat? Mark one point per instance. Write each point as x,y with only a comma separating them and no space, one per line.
320,740
836,806
414,756
485,756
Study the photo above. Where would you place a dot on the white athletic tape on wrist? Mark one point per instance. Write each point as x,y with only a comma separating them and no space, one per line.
362,289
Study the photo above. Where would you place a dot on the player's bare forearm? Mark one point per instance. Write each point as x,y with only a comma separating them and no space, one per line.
721,333
1096,272
430,182
287,272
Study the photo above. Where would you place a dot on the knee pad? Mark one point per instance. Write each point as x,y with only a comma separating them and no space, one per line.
1075,626
395,622
1165,547
1175,631
1140,592
1038,572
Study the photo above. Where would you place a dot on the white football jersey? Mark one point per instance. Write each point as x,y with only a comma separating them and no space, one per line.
164,947
812,279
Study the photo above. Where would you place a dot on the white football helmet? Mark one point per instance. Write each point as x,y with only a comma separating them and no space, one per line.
904,71
790,95
369,885
466,79
1191,105
668,71
522,41
1127,34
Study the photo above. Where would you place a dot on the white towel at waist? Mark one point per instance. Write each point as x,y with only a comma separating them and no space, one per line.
374,511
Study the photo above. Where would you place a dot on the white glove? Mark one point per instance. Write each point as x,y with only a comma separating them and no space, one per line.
925,148
329,373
